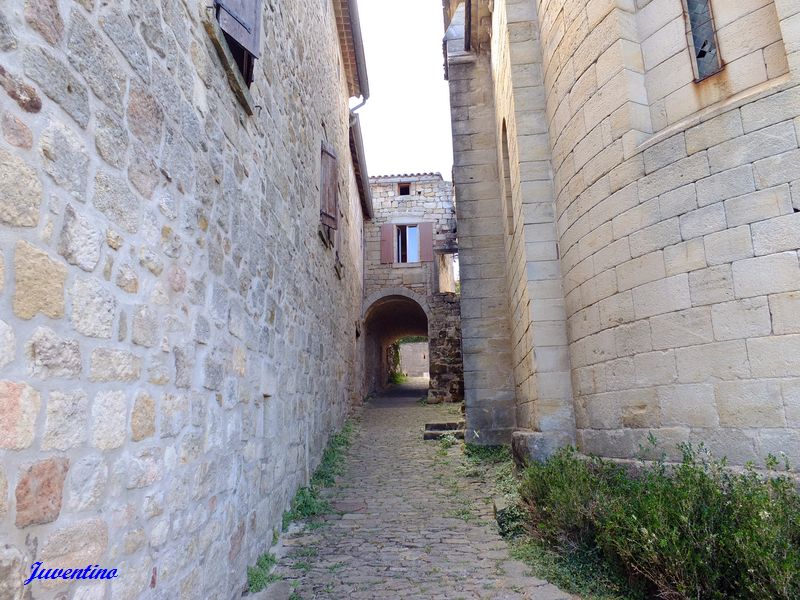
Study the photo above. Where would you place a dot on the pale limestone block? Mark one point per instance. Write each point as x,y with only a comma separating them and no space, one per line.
672,177
752,147
636,218
656,368
678,202
776,60
683,328
599,347
664,43
737,445
612,255
632,338
691,405
685,257
785,311
655,15
781,168
664,153
724,185
39,283
729,245
655,237
714,131
763,275
622,54
775,356
711,285
748,33
616,309
670,75
584,322
758,206
741,319
662,296
703,221
750,404
791,401
638,271
776,235
599,287
619,374
775,108
720,360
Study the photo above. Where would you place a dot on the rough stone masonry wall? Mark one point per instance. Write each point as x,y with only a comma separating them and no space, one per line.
679,250
431,199
161,270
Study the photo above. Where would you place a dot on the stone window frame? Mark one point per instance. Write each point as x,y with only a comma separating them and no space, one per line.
689,8
235,79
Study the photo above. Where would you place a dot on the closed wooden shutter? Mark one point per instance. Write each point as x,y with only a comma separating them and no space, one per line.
426,242
328,190
387,243
241,19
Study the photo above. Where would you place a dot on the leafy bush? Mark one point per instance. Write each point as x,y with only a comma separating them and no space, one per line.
692,530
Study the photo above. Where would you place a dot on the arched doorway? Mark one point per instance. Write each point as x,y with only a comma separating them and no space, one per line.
396,315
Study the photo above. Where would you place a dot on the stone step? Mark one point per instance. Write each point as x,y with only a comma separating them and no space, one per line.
437,435
452,426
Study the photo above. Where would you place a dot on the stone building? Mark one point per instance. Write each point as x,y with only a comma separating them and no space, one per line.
182,196
410,281
628,181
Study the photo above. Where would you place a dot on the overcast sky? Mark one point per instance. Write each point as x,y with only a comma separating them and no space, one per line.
406,121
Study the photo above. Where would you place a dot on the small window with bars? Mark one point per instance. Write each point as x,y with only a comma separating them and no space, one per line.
702,38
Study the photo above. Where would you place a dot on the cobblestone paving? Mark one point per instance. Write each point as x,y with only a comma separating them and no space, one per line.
403,527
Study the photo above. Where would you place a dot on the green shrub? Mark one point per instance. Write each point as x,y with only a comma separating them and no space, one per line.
259,576
693,530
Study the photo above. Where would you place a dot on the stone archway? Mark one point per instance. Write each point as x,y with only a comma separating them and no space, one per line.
389,316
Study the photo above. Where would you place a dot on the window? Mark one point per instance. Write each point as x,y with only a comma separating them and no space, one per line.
240,21
403,189
702,39
407,244
328,189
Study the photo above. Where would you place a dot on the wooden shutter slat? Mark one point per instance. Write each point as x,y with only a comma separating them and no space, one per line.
387,243
426,242
241,19
328,204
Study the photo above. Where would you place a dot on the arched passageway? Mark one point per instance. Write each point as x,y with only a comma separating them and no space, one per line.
387,320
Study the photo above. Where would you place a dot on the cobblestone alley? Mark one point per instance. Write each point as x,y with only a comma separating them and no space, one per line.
400,529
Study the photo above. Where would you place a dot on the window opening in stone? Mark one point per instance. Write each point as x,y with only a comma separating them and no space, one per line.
403,189
702,38
240,21
407,243
509,200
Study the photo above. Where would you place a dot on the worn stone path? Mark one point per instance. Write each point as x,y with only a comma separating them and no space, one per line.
403,528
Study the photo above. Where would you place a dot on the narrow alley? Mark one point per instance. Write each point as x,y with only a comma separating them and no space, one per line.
399,528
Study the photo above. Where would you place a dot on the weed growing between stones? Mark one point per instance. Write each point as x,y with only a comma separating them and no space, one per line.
691,530
259,576
308,503
573,569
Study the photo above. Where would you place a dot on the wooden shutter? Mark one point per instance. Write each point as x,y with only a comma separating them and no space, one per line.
426,242
241,19
387,243
328,190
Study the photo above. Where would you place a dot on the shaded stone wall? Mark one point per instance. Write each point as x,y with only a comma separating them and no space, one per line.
175,343
430,199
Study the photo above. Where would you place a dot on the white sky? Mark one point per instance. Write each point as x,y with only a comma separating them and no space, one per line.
406,121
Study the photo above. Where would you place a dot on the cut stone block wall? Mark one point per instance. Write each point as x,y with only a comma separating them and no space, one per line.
175,343
678,249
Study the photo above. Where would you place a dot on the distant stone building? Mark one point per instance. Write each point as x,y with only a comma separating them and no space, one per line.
628,181
182,194
410,286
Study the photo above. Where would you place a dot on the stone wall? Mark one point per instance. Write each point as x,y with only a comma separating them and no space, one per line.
430,199
414,359
677,237
175,344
